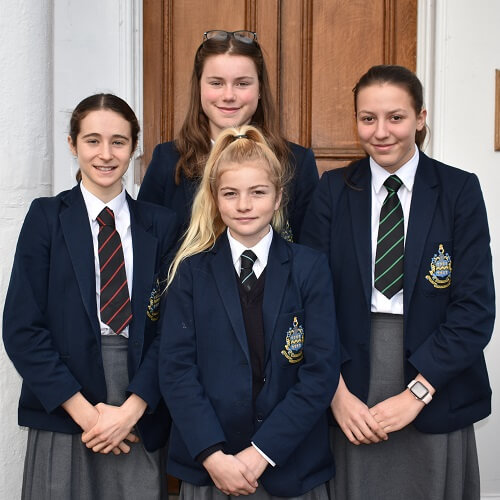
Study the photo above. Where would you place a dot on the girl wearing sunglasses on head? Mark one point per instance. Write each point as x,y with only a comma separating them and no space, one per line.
229,88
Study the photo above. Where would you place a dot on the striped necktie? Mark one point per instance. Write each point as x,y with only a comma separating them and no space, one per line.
247,276
115,307
390,241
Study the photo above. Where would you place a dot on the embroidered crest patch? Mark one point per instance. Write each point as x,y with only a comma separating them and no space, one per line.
440,271
294,344
153,311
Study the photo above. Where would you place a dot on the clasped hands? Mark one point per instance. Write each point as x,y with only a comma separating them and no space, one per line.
236,474
113,427
106,427
364,425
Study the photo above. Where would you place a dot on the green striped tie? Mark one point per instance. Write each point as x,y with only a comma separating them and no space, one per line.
390,242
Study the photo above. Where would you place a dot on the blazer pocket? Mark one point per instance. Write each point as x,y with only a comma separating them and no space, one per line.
291,337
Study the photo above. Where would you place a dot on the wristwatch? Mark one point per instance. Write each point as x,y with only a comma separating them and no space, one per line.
420,391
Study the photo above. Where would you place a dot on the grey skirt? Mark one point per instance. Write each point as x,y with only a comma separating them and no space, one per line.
59,466
192,492
410,465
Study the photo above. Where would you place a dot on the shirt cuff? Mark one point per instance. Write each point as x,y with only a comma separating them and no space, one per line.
268,460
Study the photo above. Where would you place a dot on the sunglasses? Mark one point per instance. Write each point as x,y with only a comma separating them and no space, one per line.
240,35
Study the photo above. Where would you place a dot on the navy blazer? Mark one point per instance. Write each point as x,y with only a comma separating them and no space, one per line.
445,329
159,185
206,374
50,325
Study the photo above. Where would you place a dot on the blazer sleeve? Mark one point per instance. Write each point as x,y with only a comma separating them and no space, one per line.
191,410
292,418
305,181
317,227
28,340
155,181
459,340
145,381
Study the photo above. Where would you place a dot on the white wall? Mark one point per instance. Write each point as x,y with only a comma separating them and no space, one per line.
25,173
459,65
97,48
470,55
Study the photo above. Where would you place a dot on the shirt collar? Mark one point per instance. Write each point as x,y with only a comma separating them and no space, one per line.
261,249
406,173
95,205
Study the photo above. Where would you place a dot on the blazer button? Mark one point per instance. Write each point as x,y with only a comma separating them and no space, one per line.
260,417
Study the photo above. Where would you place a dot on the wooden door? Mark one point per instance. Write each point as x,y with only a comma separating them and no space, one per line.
315,51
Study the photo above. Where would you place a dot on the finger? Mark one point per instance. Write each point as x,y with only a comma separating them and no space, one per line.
250,477
116,451
99,447
358,434
350,436
376,424
108,449
124,448
133,438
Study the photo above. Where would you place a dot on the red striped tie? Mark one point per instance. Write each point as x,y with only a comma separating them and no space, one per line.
116,310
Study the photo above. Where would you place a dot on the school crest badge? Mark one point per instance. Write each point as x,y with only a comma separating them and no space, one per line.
440,271
286,233
294,344
153,311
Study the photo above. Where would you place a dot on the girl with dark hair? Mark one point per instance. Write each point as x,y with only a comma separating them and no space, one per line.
248,356
80,323
229,88
409,249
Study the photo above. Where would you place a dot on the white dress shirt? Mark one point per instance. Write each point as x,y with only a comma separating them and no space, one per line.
261,250
380,303
121,211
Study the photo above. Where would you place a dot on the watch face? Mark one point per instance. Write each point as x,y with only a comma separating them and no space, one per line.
419,390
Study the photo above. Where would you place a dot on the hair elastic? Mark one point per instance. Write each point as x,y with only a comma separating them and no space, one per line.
240,136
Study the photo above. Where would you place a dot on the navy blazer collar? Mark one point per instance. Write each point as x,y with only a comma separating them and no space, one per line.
423,203
277,271
78,236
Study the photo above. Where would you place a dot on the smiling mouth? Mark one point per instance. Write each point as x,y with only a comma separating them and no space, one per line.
104,169
228,110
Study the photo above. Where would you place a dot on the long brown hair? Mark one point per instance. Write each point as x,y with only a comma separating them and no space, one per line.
102,101
193,142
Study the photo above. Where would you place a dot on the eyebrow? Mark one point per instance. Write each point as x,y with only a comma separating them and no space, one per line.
115,136
251,187
237,78
398,110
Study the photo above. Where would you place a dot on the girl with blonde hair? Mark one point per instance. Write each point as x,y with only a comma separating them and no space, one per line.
248,356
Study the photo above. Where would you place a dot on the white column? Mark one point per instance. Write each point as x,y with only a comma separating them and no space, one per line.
25,173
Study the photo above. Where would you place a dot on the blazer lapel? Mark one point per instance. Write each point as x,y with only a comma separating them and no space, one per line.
360,209
78,236
423,203
224,276
145,247
277,272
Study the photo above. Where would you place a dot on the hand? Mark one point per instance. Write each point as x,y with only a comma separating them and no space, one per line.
230,475
354,417
114,426
255,462
397,412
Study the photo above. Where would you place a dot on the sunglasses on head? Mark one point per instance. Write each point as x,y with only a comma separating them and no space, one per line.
240,35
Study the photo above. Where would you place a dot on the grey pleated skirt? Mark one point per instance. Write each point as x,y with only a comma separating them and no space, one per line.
59,466
192,492
410,465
